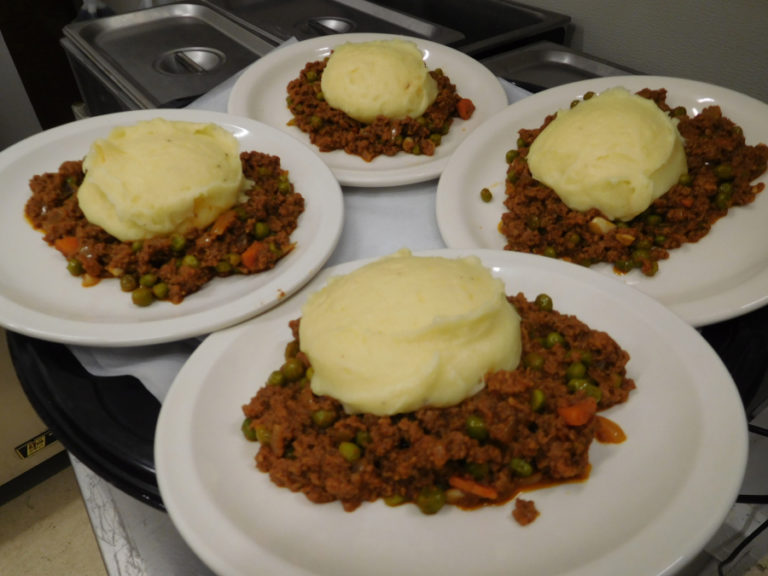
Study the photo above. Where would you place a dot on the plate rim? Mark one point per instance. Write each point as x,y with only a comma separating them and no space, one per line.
362,177
56,328
180,400
699,312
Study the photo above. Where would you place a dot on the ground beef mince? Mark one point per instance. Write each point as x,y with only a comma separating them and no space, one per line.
527,428
250,237
331,129
721,168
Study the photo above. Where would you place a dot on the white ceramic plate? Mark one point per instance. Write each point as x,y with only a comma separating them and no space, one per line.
641,512
722,276
39,298
261,90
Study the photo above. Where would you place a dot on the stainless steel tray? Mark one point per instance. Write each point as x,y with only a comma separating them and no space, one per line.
169,55
474,27
544,65
304,19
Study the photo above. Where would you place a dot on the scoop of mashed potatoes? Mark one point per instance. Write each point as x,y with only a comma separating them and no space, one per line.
382,77
405,332
616,152
160,177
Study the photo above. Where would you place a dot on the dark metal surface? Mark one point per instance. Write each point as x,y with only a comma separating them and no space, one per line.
543,65
107,423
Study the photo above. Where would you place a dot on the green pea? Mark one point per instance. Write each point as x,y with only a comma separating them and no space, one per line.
679,111
624,265
394,500
641,254
553,339
549,252
136,246
293,369
248,431
653,220
160,290
685,179
311,75
533,360
532,222
476,428
576,370
263,435
520,467
320,96
583,356
576,384
587,386
431,500
190,261
223,267
128,283
350,451
538,399
241,212
436,138
261,230
478,470
323,418
544,302
511,155
284,185
234,259
723,200
142,296
362,438
724,171
486,195
652,268
643,243
178,242
315,122
75,267
276,378
147,280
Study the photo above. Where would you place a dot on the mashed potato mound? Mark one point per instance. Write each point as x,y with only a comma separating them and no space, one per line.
382,77
616,152
404,332
160,177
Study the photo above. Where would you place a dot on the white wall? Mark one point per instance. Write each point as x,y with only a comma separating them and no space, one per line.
723,42
17,117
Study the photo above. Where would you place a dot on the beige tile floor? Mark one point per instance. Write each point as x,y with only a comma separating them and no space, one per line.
46,530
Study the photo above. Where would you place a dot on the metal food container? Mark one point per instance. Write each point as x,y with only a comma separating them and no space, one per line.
158,57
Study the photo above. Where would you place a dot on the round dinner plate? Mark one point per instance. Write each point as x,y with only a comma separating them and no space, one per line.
640,513
260,93
723,275
39,298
